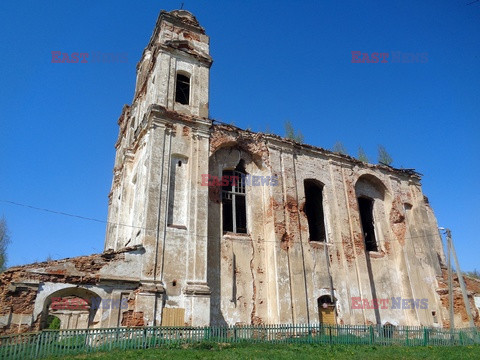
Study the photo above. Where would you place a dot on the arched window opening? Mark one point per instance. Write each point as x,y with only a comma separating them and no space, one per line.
233,199
365,206
182,91
314,210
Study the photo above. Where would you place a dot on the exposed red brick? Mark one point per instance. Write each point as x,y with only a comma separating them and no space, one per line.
473,286
348,249
224,136
131,318
397,220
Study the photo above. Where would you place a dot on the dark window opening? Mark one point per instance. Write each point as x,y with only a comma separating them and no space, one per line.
182,91
233,200
365,206
314,210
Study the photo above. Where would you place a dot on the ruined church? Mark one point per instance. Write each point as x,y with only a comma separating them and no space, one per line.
209,224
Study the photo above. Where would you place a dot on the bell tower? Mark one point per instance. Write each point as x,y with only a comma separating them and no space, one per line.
157,203
175,66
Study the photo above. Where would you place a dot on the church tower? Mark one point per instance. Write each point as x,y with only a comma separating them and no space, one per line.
175,66
157,203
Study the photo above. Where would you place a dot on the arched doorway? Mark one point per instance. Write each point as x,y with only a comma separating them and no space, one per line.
69,308
326,310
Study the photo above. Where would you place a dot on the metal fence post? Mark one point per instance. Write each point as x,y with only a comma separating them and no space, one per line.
144,345
37,345
425,336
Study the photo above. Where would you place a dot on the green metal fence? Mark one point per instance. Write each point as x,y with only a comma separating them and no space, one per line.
70,342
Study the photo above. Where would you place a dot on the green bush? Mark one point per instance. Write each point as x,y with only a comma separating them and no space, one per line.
53,322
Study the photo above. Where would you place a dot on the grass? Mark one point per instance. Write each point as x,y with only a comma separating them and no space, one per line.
289,351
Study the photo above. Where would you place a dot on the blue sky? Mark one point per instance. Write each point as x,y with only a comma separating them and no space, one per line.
273,61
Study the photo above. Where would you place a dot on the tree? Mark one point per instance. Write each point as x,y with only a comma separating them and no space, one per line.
339,148
383,156
361,155
53,322
4,240
291,133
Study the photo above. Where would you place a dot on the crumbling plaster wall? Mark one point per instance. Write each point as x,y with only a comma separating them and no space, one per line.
182,247
158,200
172,225
237,265
349,262
290,271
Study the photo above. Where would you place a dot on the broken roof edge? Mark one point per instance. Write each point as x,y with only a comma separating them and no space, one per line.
338,156
106,255
176,17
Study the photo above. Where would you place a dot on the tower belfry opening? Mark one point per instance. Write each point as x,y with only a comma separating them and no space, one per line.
182,92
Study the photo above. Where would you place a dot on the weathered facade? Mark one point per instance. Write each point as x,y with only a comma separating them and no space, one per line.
290,234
